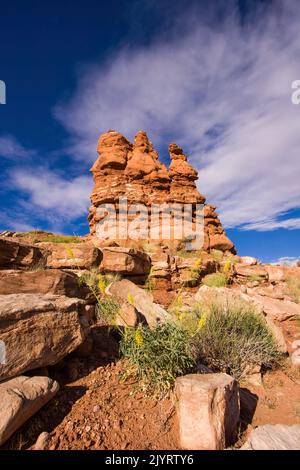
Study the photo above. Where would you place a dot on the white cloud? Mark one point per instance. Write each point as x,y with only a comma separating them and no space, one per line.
52,195
224,93
10,148
286,260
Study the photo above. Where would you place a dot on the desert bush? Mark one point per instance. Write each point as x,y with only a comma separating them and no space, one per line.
293,288
227,267
63,239
107,308
233,337
97,281
149,247
217,254
157,356
215,280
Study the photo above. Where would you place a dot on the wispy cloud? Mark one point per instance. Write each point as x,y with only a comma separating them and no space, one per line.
223,91
45,199
286,260
10,148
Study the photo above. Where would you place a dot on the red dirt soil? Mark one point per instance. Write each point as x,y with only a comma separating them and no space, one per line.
94,410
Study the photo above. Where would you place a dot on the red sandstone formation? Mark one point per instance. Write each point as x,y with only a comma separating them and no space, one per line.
134,171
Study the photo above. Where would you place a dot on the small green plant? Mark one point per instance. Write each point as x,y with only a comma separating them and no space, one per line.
196,269
217,255
189,254
293,288
107,308
149,247
63,239
157,356
175,308
233,337
227,267
150,283
215,280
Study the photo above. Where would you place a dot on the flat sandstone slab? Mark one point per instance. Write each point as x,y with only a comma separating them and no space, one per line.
21,398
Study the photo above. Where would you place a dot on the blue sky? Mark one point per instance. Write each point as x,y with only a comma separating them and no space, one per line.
213,76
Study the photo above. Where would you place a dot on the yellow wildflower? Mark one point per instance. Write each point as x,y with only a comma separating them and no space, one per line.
227,267
201,322
130,298
69,252
101,283
138,338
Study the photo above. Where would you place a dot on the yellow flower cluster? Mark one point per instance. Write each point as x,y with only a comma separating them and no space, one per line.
138,338
70,252
101,283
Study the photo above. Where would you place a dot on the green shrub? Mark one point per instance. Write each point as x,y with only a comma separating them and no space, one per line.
158,355
63,239
227,267
107,308
217,254
233,338
293,288
215,280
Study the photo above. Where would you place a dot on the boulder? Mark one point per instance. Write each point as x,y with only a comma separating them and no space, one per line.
274,437
21,398
127,316
42,442
277,291
277,334
160,265
295,344
125,261
20,255
218,294
50,281
72,255
38,330
295,358
248,260
148,311
281,273
246,273
208,411
279,310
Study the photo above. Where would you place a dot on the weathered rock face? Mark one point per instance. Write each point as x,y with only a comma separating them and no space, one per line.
38,330
51,281
21,398
125,261
208,411
274,437
281,273
134,171
72,255
244,273
19,255
145,310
